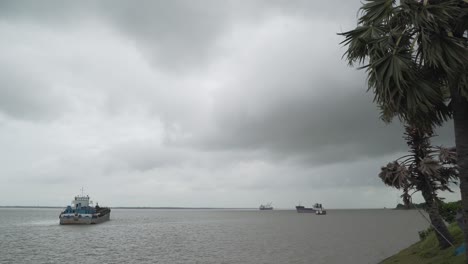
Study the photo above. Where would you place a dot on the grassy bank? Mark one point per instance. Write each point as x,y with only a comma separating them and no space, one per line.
427,251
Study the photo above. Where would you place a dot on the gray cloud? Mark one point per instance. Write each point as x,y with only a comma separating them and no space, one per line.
178,34
186,103
22,96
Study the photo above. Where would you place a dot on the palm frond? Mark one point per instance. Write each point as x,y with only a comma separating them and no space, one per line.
359,42
411,53
375,11
395,175
448,174
447,155
430,167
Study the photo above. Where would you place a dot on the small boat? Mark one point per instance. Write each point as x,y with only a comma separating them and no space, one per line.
317,209
82,212
266,207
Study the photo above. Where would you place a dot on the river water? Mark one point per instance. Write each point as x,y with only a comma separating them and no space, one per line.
208,236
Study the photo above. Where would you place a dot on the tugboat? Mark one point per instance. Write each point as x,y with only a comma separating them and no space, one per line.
81,212
317,209
266,207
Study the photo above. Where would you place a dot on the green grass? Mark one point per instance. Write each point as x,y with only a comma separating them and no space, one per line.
428,252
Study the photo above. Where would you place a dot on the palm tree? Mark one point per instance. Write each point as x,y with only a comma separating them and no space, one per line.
420,170
415,54
406,197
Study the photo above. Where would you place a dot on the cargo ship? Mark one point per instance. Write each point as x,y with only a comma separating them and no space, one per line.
266,207
82,212
317,209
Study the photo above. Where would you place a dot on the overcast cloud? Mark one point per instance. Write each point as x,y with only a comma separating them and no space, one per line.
188,103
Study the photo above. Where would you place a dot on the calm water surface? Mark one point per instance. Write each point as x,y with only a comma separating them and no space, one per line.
208,236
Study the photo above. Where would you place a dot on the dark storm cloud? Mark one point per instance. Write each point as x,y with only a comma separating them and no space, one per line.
304,125
319,110
182,32
176,35
189,103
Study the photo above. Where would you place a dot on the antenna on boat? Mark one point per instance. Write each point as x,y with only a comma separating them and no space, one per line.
82,191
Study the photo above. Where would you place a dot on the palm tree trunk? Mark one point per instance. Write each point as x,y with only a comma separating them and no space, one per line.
421,149
432,209
460,119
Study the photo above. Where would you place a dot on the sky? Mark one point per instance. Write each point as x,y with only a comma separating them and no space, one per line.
189,103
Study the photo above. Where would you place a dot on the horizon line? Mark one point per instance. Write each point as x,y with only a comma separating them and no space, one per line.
183,207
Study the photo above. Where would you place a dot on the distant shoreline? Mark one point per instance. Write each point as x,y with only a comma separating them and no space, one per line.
182,208
134,207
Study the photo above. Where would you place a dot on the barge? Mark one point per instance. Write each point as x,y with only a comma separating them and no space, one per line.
82,212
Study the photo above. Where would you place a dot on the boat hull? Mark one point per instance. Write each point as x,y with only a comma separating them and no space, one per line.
305,210
75,220
314,210
311,211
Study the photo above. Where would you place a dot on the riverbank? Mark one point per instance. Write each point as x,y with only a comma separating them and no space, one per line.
427,251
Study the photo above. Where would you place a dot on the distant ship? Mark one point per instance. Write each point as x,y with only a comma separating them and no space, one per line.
317,209
266,207
81,212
